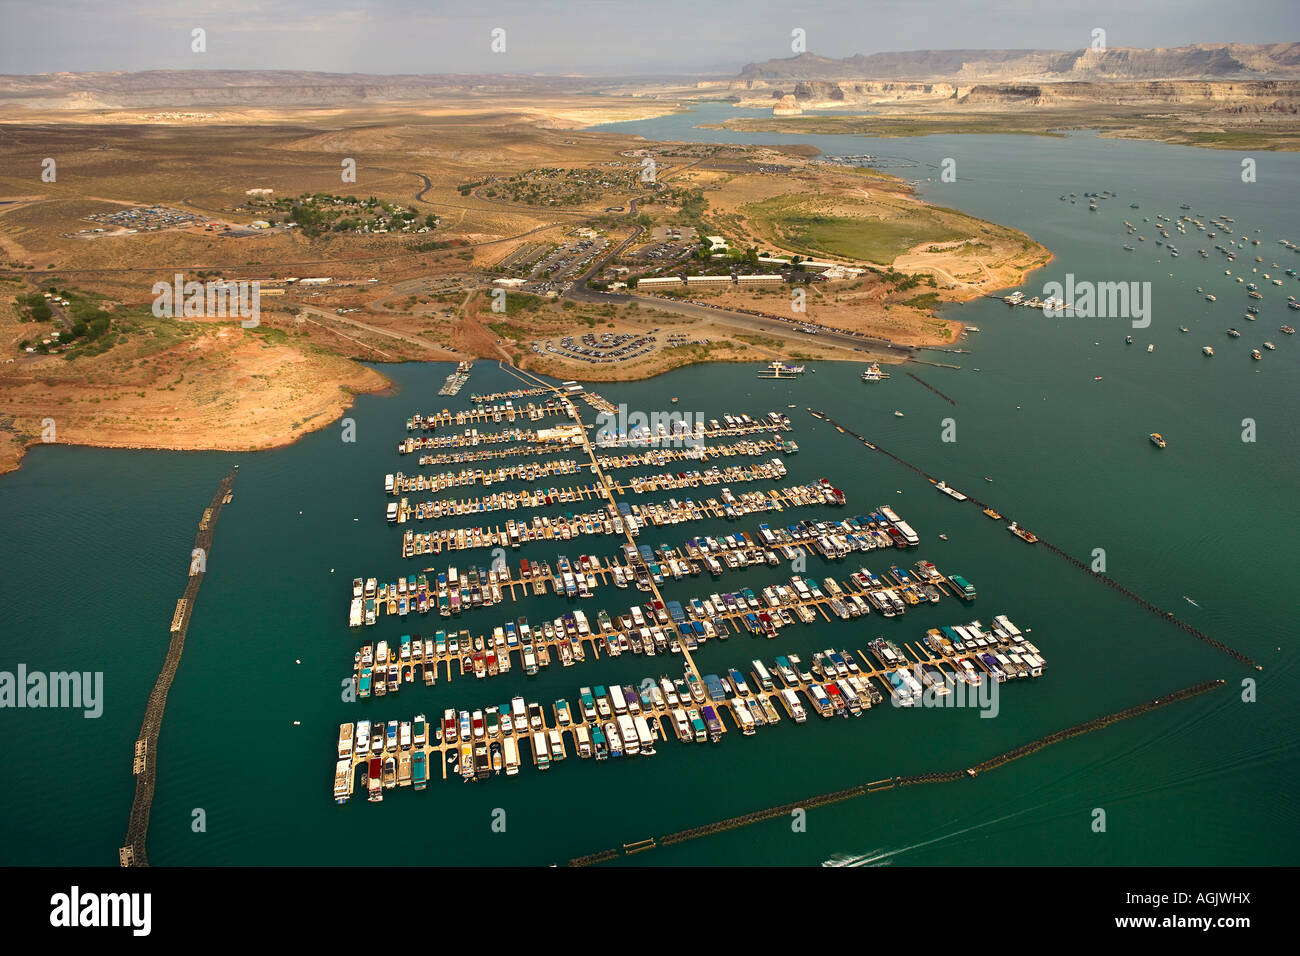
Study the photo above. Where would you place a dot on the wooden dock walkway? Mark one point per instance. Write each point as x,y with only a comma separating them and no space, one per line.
763,706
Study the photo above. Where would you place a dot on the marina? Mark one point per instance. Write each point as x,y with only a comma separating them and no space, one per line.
576,492
610,519
457,379
614,721
511,500
1107,652
450,592
622,721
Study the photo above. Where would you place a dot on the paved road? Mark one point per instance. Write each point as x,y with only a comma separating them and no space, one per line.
756,323
579,292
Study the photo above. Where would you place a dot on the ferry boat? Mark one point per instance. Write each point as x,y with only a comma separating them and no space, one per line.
781,370
1270,346
1156,440
874,374
1256,354
1207,350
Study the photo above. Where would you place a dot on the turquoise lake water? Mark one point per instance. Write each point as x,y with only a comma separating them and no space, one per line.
97,546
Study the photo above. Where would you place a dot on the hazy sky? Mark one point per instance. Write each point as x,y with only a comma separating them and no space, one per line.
587,36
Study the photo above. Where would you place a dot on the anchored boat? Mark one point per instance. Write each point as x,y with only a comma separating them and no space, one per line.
1021,533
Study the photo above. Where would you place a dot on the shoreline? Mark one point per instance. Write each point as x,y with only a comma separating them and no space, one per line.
191,433
322,420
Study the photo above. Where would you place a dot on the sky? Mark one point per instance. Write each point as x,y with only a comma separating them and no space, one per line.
597,37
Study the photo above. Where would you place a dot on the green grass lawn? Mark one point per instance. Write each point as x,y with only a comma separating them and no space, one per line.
797,225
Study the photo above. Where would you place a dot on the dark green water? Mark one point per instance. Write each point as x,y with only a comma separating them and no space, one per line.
97,552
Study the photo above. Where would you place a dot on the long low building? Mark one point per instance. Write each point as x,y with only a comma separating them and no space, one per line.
814,265
774,279
709,280
660,283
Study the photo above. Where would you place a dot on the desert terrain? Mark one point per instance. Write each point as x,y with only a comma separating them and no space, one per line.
481,225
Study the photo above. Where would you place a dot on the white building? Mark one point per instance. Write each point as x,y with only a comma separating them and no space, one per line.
717,243
708,280
815,265
660,283
775,279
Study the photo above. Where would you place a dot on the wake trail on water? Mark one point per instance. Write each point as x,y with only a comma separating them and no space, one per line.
882,857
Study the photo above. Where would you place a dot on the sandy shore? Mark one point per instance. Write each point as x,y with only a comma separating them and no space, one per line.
250,397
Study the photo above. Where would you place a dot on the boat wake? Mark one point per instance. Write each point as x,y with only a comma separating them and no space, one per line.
844,859
885,857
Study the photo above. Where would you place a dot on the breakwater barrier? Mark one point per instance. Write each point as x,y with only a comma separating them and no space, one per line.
1104,579
931,388
145,762
890,783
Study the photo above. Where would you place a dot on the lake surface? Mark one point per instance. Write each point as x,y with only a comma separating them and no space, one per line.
97,546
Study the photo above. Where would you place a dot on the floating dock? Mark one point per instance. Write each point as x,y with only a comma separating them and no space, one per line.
619,722
145,765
